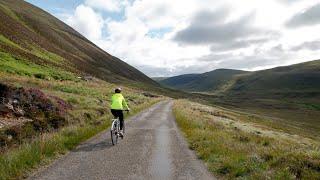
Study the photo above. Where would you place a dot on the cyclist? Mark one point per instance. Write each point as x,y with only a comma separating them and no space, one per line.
118,105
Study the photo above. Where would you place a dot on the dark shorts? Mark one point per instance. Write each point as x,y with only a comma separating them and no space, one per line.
118,114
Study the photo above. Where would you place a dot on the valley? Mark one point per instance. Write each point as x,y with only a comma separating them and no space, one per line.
289,97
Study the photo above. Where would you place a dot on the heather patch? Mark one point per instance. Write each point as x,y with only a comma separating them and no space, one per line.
26,112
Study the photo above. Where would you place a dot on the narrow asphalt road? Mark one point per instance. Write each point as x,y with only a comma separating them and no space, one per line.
153,148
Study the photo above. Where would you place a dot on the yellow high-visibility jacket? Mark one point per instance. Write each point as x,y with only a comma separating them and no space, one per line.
118,102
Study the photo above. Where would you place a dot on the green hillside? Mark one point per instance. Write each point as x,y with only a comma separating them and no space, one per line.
295,80
300,80
32,37
206,82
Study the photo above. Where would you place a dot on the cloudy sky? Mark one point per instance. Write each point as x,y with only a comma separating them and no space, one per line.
171,37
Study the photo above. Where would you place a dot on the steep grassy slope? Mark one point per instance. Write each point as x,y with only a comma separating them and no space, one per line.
31,36
206,82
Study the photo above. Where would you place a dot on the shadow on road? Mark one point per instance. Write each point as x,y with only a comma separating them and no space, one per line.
94,147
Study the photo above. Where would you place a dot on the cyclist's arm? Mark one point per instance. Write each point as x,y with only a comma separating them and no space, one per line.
125,105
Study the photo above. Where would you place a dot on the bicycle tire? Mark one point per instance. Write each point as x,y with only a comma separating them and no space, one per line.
113,133
114,137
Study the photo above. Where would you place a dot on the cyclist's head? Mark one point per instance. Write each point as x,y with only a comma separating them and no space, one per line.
117,90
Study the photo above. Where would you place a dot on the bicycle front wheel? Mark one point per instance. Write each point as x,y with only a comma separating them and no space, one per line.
114,137
123,128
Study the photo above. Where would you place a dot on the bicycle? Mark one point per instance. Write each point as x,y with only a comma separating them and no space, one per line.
115,130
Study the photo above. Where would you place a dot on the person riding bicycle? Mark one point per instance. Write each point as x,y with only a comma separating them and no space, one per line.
118,105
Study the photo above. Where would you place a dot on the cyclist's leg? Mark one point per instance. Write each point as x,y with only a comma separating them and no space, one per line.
121,119
114,113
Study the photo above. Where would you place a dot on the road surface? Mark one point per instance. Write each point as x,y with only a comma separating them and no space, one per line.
153,148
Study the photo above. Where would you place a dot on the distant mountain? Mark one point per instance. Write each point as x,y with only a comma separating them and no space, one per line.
158,79
291,93
32,36
296,80
216,80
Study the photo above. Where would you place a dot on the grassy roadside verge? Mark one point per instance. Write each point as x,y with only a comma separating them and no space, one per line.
18,162
232,152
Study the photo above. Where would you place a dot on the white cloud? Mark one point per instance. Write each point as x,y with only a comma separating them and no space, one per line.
87,22
137,48
161,13
130,39
107,5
